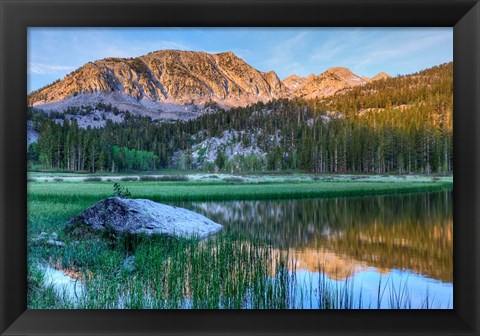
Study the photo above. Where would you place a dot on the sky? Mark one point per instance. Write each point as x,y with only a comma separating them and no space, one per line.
55,52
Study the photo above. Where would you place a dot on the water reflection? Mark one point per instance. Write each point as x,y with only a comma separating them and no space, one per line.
343,237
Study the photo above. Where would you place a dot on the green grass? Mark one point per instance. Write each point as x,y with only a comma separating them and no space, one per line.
220,273
169,273
225,271
218,190
172,273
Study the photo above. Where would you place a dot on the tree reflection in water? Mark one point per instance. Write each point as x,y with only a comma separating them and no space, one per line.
342,236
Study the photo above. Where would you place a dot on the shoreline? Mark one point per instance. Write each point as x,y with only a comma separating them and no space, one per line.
161,191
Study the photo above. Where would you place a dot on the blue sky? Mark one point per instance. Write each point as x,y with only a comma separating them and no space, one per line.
54,52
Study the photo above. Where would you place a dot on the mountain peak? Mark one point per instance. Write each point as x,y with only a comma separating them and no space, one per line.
328,83
294,76
381,75
172,77
342,72
295,82
228,53
338,69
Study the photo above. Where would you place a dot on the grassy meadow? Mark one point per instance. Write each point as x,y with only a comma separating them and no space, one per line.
191,188
224,271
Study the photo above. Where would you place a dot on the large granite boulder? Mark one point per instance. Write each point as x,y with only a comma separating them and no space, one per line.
142,216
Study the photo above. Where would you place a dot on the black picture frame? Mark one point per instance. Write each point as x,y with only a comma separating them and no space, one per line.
17,15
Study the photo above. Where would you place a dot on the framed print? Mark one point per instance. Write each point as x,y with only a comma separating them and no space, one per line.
251,167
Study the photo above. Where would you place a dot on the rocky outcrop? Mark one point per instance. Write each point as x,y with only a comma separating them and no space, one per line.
380,75
327,83
143,217
51,241
295,82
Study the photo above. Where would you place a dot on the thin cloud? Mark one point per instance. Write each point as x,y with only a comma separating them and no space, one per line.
284,56
159,45
333,47
296,41
403,50
48,69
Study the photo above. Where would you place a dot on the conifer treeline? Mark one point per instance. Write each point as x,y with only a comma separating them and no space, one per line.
398,125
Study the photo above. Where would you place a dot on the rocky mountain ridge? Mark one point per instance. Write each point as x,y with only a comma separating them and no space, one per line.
173,83
162,79
327,83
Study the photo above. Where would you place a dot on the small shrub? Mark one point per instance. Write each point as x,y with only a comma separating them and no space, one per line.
435,179
210,176
120,191
92,179
129,179
148,178
358,177
58,179
31,179
173,178
233,180
276,172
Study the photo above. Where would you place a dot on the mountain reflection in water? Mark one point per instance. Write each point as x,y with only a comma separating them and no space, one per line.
390,235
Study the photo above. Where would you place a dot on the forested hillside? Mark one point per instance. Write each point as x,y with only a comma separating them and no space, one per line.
393,125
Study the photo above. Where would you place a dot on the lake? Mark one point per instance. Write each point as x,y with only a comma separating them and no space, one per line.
393,251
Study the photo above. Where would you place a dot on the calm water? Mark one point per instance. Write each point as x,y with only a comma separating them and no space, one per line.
402,244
